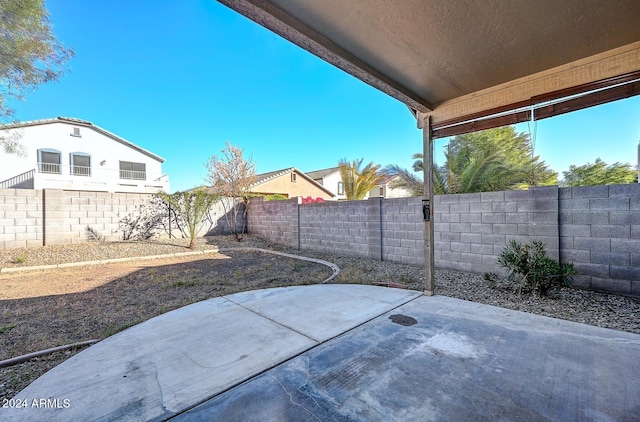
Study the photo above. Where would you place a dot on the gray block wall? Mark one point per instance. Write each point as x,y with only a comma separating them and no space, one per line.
276,221
472,229
403,231
67,214
600,234
21,218
46,217
596,228
350,228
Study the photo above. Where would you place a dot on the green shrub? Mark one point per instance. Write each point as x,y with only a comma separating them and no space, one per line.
275,197
21,259
531,269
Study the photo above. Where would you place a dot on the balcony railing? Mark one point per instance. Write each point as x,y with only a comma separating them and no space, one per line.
80,171
19,180
49,168
133,175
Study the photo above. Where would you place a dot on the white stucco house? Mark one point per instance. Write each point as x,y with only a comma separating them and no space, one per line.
72,154
330,178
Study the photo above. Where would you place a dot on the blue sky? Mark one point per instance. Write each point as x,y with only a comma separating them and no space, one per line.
182,78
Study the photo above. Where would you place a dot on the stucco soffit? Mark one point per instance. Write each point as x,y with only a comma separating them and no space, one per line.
291,29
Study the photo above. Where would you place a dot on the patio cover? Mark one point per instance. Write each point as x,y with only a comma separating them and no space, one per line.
466,65
460,60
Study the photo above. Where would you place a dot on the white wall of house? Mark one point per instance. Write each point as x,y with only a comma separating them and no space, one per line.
385,191
330,182
105,154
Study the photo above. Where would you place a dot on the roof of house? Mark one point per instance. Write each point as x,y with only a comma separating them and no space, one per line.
319,174
84,123
387,178
265,177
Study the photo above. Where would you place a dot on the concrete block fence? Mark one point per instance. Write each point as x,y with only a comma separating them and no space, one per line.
51,216
597,228
46,217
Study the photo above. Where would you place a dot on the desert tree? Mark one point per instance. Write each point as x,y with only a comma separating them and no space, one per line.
30,55
192,208
231,176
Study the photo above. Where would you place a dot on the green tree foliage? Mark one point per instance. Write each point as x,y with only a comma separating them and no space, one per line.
599,173
358,181
407,180
491,160
30,55
192,208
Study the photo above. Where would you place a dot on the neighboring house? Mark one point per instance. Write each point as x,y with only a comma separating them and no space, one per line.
291,183
384,189
330,178
73,154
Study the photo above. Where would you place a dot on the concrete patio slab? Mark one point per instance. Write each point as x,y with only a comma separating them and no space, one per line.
177,360
343,353
317,315
442,359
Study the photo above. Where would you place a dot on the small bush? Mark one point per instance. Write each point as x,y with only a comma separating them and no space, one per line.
21,259
531,269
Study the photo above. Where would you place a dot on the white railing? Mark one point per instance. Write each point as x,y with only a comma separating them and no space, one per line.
80,171
17,180
72,177
133,175
49,168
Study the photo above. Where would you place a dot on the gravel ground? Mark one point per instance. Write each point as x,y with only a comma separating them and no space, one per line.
600,309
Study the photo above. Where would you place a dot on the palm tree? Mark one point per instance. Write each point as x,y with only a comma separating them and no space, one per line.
490,160
406,180
357,182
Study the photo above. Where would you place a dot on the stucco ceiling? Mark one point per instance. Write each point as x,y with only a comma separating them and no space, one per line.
451,58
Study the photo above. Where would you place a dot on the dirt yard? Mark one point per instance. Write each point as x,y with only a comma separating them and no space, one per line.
45,309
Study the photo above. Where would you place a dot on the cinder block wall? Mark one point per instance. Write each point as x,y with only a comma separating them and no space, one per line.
46,217
276,221
68,214
472,229
350,228
403,230
21,217
596,228
600,234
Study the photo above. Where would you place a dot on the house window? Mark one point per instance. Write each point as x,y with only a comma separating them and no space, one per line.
340,188
49,161
381,191
133,171
293,177
80,164
76,132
